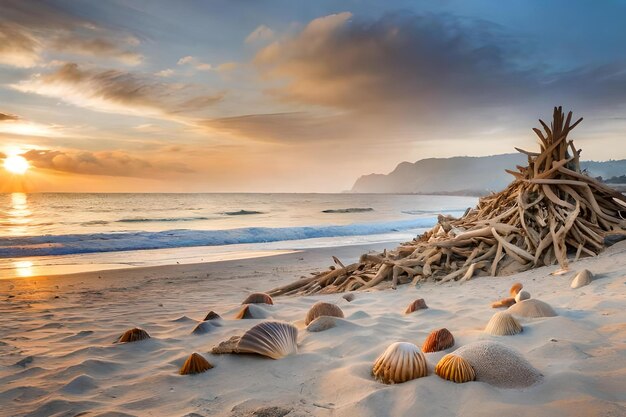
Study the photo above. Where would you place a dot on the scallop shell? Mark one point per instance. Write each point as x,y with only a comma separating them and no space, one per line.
273,339
258,298
438,340
521,296
532,308
515,288
505,302
133,335
320,309
418,304
499,365
503,324
455,369
251,311
400,362
581,279
212,315
195,364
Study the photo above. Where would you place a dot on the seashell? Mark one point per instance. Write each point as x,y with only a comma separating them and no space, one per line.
195,364
499,365
133,335
517,287
438,340
521,296
532,308
348,297
258,298
581,279
251,311
322,323
202,328
400,362
503,324
212,315
455,369
322,309
505,302
418,304
273,339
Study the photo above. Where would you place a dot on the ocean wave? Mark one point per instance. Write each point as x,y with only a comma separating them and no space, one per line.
349,210
125,241
164,219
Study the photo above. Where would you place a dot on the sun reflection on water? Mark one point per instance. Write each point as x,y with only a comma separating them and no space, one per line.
23,268
18,217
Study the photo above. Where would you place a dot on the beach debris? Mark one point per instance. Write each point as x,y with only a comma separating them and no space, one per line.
438,340
322,309
418,304
515,288
348,297
454,368
212,315
551,208
521,296
251,311
400,362
499,365
322,323
258,298
273,339
531,308
195,364
505,302
133,335
581,279
503,324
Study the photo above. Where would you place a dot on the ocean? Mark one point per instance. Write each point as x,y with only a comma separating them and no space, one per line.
63,232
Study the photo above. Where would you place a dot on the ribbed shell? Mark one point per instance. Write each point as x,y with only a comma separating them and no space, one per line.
133,335
400,362
195,364
505,302
521,296
503,324
320,309
455,369
273,339
212,315
581,279
258,298
532,308
418,304
515,288
438,340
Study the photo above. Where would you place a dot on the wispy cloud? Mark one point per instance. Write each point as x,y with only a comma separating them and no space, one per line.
7,116
260,34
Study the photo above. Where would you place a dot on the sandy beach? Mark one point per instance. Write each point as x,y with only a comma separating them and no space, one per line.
58,357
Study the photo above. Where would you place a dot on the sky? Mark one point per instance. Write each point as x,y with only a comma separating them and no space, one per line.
294,96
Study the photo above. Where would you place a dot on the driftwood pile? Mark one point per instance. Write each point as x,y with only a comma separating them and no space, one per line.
550,210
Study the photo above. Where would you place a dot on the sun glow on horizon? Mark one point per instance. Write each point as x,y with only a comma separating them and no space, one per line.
16,164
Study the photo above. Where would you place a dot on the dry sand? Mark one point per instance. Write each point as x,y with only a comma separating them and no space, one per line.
57,357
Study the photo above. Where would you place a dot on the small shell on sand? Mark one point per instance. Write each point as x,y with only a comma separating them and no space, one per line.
348,297
322,323
455,369
521,296
195,364
418,304
273,339
515,288
133,335
503,324
258,298
212,315
532,308
505,302
581,279
251,311
400,362
499,365
438,340
320,309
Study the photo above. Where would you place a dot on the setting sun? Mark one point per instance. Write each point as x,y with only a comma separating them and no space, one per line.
16,164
